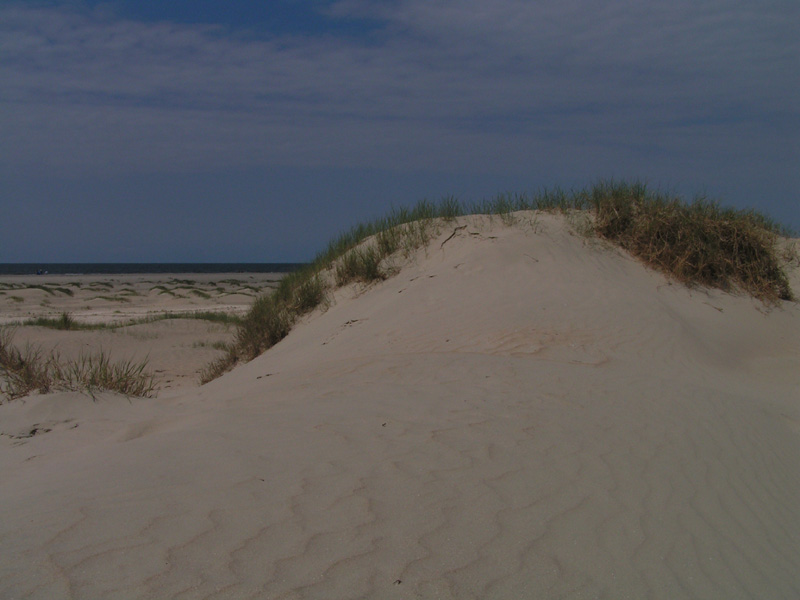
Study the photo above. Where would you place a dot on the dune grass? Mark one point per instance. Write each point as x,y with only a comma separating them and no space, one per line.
23,372
67,322
64,322
207,315
44,288
112,298
697,243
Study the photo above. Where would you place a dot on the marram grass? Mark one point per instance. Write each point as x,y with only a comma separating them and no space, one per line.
697,243
67,322
23,372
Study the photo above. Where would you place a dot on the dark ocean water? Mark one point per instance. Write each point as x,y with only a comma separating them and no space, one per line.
123,268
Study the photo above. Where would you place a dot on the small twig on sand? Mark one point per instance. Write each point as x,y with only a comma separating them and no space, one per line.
452,235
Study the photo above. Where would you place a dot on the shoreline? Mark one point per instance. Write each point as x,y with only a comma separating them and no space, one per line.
144,268
63,278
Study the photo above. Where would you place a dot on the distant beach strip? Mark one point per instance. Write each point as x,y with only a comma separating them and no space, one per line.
138,268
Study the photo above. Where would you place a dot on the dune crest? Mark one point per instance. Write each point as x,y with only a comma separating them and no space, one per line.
518,412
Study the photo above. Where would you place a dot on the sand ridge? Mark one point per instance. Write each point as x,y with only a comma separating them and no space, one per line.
519,412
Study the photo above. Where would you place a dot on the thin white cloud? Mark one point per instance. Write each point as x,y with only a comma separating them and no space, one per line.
443,84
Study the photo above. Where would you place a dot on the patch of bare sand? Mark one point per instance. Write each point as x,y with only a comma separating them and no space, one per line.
519,413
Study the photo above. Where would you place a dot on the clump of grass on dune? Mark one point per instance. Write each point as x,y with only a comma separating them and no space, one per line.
205,315
698,243
272,315
64,322
23,372
44,288
96,372
67,322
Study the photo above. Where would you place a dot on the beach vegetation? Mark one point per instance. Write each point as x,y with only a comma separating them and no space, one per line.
66,321
30,370
162,290
697,243
100,286
112,298
215,345
44,288
206,315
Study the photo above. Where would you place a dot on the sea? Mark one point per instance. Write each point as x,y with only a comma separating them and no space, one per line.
135,268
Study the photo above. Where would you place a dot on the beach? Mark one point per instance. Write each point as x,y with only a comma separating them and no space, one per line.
132,310
518,411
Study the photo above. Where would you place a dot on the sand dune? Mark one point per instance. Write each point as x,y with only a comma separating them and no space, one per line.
518,413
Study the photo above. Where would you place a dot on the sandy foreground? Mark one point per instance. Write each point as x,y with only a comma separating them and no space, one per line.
176,349
518,413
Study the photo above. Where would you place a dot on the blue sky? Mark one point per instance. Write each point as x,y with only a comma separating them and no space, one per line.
255,131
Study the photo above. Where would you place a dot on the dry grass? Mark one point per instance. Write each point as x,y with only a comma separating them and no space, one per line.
67,322
698,243
23,372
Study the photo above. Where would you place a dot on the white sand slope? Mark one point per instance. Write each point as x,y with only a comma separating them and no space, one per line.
519,413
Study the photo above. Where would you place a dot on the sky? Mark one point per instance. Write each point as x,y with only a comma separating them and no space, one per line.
241,131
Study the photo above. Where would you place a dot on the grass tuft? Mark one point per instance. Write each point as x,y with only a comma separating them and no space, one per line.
23,372
207,315
220,366
698,243
67,322
64,322
361,264
96,372
44,288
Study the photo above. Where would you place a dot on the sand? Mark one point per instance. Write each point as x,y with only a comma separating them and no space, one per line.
176,350
518,413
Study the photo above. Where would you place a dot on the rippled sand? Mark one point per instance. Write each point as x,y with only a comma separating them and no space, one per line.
518,413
